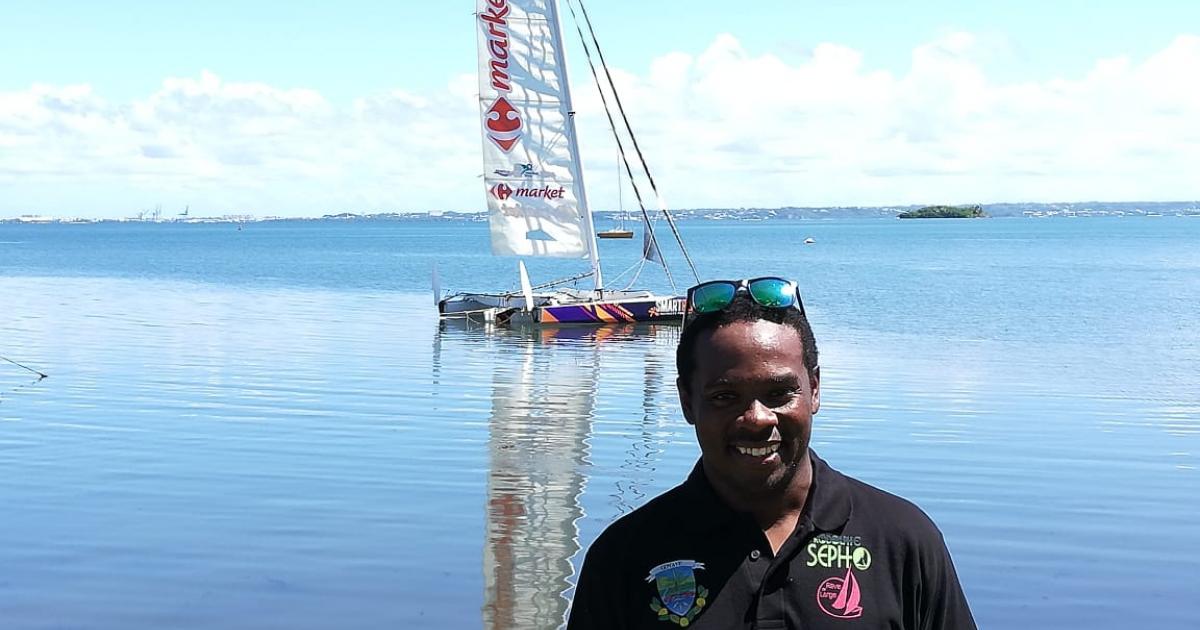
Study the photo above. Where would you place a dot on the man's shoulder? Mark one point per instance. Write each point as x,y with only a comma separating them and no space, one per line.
890,512
615,567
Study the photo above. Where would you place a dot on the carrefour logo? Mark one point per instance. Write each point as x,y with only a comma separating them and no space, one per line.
504,192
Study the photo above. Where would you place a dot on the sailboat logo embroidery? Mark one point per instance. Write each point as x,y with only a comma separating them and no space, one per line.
679,599
839,597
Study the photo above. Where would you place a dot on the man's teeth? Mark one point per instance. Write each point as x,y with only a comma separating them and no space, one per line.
760,451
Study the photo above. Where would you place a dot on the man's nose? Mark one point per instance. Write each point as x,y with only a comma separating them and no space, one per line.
758,415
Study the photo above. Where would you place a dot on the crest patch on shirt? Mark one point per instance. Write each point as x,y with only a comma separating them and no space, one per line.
680,598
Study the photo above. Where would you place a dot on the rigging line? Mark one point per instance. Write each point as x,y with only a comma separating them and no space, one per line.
623,274
637,274
544,285
621,149
633,138
554,283
40,375
635,266
611,123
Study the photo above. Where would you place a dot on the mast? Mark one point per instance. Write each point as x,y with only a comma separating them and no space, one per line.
560,57
620,195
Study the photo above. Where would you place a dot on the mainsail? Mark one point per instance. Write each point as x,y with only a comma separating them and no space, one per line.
534,186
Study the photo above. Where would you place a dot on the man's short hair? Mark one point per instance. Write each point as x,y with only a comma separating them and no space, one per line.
742,309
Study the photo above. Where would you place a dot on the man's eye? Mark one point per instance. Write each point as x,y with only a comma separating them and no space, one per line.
722,396
783,394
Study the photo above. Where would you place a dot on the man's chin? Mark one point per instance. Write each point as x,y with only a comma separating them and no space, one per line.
765,479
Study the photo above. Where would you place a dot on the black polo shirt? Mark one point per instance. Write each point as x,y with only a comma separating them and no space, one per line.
859,558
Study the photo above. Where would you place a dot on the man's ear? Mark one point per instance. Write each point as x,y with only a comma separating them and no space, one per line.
685,400
814,404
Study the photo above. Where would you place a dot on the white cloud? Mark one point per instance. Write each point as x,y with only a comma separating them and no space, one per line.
758,130
721,127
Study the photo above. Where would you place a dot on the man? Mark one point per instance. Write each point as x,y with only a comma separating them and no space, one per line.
764,534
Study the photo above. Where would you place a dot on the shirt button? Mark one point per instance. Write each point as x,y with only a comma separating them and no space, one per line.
755,554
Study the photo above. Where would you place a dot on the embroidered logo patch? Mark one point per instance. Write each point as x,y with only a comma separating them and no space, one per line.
679,599
839,597
841,552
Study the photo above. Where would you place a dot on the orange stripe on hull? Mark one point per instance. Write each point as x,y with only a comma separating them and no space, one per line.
602,314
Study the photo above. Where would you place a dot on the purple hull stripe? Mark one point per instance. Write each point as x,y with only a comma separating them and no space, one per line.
624,312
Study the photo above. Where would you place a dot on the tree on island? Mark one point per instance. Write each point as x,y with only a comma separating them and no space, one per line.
944,212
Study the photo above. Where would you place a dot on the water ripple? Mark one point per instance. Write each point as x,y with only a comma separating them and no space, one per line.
205,456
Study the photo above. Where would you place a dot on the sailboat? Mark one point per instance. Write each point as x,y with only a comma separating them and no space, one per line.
619,231
533,180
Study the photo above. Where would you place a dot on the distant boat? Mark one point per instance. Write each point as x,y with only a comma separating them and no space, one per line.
810,240
620,231
615,233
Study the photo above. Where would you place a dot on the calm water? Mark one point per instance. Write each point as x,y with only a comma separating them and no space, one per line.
267,428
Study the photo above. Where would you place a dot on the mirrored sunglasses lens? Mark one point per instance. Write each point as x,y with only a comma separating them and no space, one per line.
712,297
773,292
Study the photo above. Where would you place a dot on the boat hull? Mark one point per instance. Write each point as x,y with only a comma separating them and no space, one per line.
510,310
647,310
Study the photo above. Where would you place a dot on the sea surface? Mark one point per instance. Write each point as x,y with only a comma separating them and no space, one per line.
265,426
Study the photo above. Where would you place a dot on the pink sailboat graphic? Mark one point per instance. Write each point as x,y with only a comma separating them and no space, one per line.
847,600
840,597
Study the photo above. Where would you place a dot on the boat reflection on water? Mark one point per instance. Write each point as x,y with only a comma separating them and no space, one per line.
545,387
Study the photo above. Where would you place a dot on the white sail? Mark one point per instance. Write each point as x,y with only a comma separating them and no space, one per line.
536,202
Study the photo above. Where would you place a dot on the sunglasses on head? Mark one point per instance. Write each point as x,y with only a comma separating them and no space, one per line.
715,295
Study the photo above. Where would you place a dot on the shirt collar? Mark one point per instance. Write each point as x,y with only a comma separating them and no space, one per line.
828,504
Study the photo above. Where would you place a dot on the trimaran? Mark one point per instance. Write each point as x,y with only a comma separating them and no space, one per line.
536,200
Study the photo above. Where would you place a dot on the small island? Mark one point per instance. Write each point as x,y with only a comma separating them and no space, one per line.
944,212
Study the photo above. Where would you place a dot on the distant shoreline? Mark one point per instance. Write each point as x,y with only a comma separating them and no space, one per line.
1035,210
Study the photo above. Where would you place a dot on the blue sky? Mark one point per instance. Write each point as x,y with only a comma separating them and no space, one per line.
369,103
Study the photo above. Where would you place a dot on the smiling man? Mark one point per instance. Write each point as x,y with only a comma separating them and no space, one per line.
763,533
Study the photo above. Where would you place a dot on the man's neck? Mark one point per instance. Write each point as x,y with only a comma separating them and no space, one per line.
772,508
